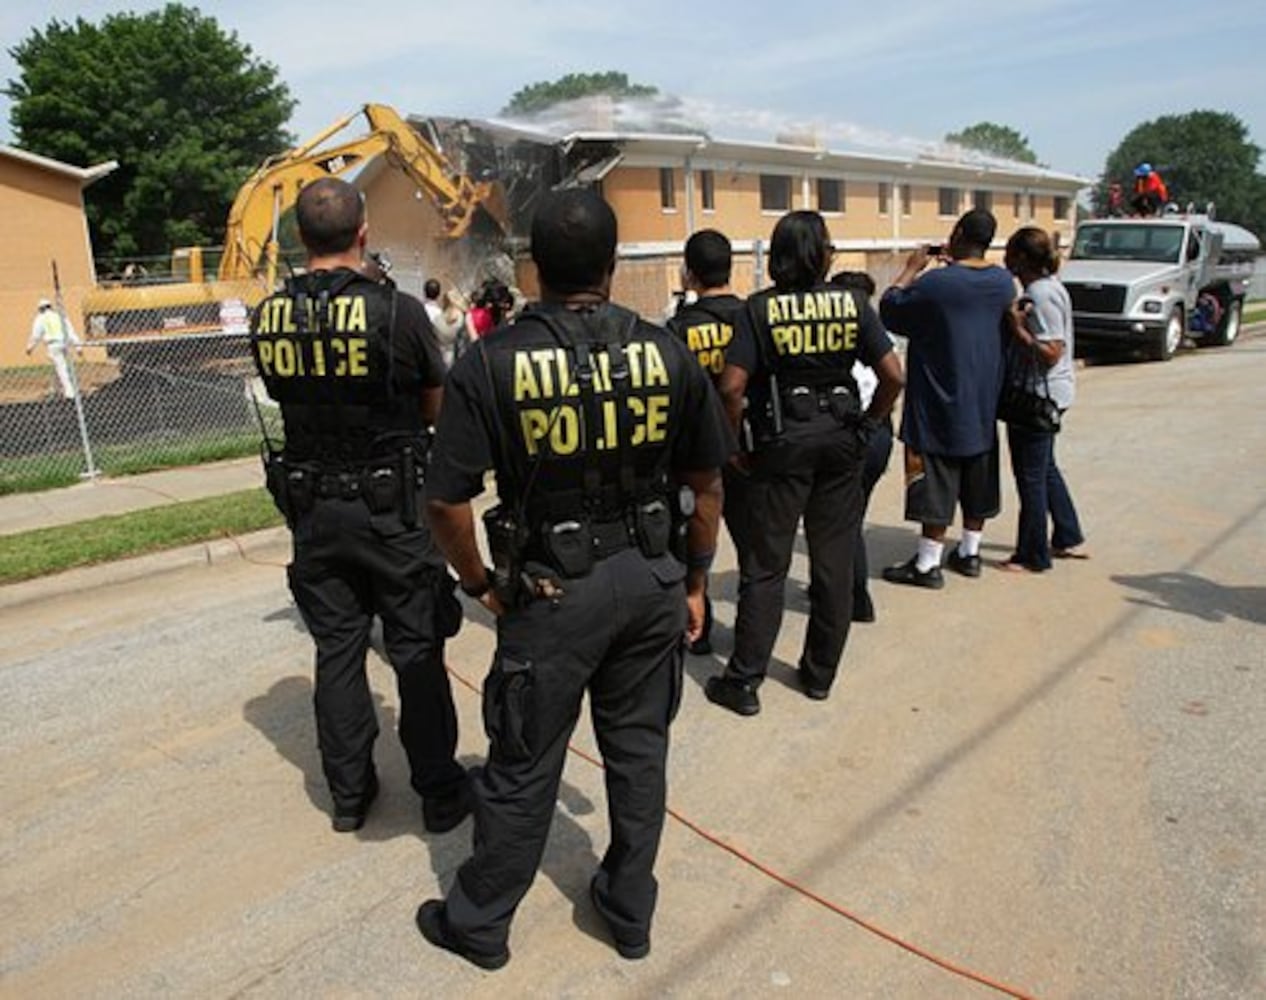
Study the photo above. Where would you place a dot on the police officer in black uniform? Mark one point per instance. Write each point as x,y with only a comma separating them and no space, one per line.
588,415
354,364
707,327
792,355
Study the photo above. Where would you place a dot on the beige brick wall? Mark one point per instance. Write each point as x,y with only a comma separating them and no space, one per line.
43,222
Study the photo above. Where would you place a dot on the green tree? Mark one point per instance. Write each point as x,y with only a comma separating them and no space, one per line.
1204,156
996,140
186,109
545,94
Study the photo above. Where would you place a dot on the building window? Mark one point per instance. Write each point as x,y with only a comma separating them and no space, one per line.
830,195
667,189
1061,207
707,190
885,198
982,200
775,193
1015,204
947,201
907,199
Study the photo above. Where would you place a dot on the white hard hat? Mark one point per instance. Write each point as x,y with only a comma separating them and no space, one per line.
45,304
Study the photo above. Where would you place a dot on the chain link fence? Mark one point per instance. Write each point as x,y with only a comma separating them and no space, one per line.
159,378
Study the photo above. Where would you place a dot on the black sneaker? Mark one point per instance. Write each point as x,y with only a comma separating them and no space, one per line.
632,950
963,565
432,921
736,695
442,813
351,820
817,692
908,573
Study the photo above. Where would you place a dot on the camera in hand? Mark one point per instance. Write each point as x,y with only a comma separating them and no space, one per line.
936,249
1032,321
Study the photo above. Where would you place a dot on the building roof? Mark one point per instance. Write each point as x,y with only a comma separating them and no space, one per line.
966,168
84,175
788,151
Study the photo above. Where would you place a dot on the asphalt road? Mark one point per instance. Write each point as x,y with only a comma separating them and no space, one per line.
1055,781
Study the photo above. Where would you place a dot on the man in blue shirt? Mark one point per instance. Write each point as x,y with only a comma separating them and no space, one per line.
954,319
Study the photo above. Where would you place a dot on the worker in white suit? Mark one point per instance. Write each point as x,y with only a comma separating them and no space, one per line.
57,333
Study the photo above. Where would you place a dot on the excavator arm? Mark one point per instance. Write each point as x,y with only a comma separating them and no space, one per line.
250,243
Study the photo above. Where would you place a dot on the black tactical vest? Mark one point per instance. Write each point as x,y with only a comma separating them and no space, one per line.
587,404
811,337
707,327
324,349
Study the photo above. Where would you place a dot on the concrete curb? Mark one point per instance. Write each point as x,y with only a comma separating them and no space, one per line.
208,553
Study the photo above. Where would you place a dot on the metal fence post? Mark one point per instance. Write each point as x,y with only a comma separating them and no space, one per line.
68,337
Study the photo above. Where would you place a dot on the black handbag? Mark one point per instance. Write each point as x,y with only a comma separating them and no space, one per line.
1018,406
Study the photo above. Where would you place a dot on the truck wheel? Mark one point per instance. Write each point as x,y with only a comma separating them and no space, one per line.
1165,341
1229,327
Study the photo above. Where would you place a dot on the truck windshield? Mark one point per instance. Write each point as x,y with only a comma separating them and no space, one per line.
1128,242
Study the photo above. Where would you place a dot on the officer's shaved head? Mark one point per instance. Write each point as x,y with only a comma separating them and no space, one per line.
573,241
709,257
330,213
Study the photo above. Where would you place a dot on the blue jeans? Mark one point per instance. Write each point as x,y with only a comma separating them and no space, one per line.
1043,494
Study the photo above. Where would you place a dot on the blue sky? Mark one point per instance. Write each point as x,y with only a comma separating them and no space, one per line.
1074,76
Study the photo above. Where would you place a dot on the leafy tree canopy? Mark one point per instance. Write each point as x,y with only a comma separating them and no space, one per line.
995,140
186,109
539,96
1203,156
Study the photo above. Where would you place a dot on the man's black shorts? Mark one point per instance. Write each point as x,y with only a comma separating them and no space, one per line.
936,484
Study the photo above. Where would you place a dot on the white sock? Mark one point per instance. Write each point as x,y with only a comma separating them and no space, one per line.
969,544
929,554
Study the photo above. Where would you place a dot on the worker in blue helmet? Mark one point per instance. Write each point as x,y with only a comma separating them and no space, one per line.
1150,193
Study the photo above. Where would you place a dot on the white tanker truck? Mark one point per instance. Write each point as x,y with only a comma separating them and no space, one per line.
1148,282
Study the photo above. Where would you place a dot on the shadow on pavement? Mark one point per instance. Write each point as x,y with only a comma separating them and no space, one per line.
290,613
284,714
1191,594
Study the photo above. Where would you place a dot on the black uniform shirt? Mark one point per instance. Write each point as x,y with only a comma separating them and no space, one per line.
418,362
707,328
670,402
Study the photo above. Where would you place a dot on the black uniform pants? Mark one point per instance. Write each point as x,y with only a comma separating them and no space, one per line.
875,464
617,633
348,566
734,510
815,475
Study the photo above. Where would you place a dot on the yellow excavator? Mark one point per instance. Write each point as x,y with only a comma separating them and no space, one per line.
248,267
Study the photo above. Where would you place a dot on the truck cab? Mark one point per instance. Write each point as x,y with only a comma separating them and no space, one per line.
1148,282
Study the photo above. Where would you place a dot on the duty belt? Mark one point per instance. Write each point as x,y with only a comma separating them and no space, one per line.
610,537
341,485
347,485
801,402
607,538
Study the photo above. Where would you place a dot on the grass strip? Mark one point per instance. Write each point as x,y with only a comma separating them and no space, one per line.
1254,312
31,473
29,554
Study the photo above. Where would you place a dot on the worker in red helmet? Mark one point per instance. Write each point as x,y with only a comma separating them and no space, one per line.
1150,193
